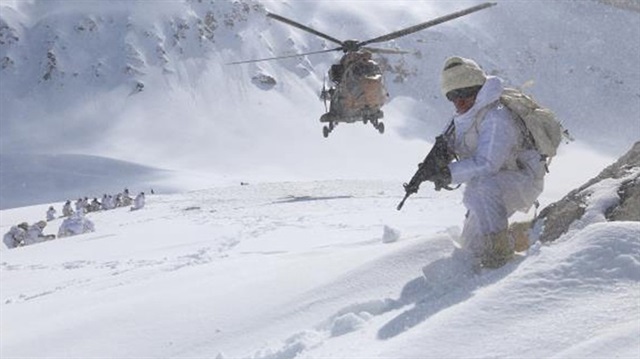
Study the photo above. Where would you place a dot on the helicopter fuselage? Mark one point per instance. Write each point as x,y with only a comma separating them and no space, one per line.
359,91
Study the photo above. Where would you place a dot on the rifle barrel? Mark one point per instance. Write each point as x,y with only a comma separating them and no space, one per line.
402,202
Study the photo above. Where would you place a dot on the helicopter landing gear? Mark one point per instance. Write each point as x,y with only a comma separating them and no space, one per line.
326,130
378,125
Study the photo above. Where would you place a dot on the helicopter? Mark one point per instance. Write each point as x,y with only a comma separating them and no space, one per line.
357,91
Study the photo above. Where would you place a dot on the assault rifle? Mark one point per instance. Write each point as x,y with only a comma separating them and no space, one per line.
431,168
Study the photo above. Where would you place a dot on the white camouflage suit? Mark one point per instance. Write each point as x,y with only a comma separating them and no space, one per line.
500,175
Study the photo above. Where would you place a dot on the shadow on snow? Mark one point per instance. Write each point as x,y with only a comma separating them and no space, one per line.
431,298
293,199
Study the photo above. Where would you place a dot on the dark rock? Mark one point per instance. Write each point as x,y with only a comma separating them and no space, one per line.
264,81
559,216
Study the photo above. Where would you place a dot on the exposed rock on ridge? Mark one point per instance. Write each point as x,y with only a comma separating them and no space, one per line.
558,217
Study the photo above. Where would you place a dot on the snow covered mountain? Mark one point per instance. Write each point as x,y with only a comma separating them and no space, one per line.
149,84
29,179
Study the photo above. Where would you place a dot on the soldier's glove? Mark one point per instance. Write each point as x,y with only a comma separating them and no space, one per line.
442,178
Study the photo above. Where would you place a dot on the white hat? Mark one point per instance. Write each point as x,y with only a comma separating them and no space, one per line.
461,73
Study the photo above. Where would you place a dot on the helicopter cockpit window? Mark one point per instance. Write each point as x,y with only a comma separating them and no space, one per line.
336,72
366,68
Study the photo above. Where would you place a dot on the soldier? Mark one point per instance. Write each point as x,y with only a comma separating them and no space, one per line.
76,224
138,202
15,237
94,206
51,213
501,171
66,209
35,235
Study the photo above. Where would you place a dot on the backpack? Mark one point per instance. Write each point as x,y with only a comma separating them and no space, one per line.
543,130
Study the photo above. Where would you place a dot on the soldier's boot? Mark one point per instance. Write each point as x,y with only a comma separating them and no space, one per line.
499,250
520,233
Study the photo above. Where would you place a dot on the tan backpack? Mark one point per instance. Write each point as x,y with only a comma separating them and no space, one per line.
545,132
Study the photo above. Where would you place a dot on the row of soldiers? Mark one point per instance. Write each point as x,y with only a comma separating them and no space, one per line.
108,202
75,222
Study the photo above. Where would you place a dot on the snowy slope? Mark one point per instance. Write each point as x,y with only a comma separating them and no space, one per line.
307,270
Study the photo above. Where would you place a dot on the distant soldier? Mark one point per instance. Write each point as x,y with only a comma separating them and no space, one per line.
66,209
94,206
118,200
106,202
15,237
111,202
35,235
74,225
80,205
138,202
126,198
51,213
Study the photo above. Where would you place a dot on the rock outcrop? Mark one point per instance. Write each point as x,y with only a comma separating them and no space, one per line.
556,219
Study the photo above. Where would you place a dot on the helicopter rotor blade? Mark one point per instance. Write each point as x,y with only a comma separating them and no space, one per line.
284,57
303,27
378,50
427,24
